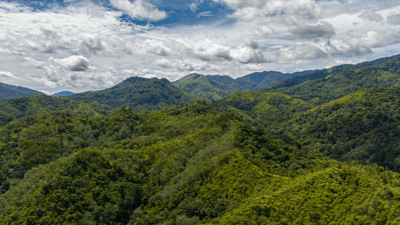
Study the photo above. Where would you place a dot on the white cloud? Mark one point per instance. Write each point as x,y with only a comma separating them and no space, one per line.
248,53
372,39
73,63
394,19
300,53
5,74
139,9
72,72
371,16
323,30
205,13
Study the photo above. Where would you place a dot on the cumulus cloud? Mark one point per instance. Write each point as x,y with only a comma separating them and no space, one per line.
339,49
291,11
248,53
324,30
139,9
371,16
72,63
156,47
394,19
5,74
372,39
300,53
71,72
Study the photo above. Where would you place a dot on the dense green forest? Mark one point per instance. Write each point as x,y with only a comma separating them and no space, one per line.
362,126
11,109
107,157
285,84
337,85
215,87
262,109
10,91
139,94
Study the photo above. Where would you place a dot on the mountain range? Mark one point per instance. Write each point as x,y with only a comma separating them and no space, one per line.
214,87
318,148
10,91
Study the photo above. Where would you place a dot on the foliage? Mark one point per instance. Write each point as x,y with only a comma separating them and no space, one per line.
285,85
215,87
139,94
11,109
262,109
10,91
362,126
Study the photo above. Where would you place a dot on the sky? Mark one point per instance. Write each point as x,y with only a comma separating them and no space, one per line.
59,45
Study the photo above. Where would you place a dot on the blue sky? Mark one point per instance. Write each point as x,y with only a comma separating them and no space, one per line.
55,45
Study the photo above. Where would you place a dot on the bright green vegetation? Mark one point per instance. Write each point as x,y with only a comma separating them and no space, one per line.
139,94
362,126
189,164
339,194
207,87
262,109
334,86
214,87
10,91
297,80
11,109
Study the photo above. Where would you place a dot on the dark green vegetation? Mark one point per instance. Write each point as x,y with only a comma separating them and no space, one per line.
333,85
139,94
248,158
10,91
262,109
278,87
363,126
214,87
11,109
189,164
62,93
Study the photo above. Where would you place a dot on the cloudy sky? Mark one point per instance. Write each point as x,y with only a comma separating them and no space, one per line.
55,45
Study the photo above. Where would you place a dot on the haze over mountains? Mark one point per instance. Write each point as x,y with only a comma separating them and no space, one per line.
321,148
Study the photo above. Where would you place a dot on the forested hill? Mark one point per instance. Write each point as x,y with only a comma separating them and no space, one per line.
214,87
362,126
383,73
10,91
139,94
262,109
190,164
285,84
14,108
62,93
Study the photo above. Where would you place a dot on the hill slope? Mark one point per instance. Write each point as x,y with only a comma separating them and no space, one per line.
214,87
362,126
190,164
11,91
62,93
138,93
15,108
262,109
284,85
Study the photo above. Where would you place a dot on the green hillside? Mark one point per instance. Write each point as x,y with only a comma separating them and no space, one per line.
139,94
262,109
297,80
11,109
362,126
190,164
10,91
215,87
208,87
